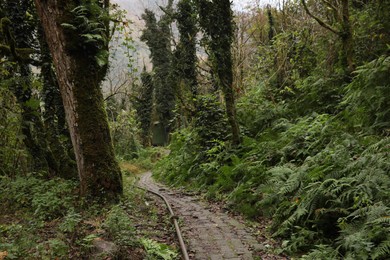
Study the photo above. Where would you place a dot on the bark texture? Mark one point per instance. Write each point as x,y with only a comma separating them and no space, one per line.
79,82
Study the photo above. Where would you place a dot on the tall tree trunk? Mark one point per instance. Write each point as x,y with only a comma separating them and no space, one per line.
79,82
216,19
53,115
347,38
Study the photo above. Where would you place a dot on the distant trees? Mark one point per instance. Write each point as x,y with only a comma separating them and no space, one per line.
144,106
78,36
157,35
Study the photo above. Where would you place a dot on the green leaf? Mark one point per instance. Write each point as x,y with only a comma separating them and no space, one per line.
68,26
102,58
32,103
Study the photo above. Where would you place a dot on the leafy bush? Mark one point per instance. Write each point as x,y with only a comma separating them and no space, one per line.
124,131
367,98
47,199
194,149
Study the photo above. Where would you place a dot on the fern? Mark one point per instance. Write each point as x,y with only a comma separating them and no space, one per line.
382,250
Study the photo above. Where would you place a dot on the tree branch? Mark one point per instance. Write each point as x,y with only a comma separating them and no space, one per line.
320,22
334,8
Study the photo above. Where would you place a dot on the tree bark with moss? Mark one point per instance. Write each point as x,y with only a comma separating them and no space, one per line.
79,46
144,106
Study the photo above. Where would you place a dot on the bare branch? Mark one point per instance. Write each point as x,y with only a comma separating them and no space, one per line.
320,22
334,8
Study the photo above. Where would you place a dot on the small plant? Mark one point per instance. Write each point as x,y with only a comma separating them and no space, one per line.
53,198
87,241
155,250
52,249
119,227
71,221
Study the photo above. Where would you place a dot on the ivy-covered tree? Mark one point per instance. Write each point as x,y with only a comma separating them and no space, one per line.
77,34
216,20
157,35
17,45
144,106
186,58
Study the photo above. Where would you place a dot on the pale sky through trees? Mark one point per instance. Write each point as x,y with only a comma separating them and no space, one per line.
242,4
139,5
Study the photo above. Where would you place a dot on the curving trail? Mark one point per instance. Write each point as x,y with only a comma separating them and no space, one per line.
209,234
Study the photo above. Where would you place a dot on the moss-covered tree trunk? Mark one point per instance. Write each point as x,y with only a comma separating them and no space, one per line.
79,79
216,19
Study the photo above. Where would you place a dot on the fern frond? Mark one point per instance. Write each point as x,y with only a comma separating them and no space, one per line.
382,251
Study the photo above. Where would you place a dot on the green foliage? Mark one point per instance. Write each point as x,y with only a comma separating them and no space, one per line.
88,31
157,35
53,248
256,113
119,227
195,149
71,220
13,157
320,184
210,122
185,54
155,250
367,98
144,106
46,199
124,131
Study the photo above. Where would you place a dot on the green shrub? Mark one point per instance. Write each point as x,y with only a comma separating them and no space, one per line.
367,98
48,199
119,227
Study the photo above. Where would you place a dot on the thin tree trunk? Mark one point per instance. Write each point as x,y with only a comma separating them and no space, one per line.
98,170
231,115
347,38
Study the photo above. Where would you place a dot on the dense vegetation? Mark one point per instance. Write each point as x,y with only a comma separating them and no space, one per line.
46,211
279,112
315,130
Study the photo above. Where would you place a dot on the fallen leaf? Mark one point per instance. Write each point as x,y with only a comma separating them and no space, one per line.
3,255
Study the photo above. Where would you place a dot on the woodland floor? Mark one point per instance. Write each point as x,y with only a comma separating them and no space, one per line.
210,232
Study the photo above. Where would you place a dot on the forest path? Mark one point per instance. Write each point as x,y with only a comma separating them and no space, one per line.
209,233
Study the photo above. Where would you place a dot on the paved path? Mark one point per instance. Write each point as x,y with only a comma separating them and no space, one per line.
208,234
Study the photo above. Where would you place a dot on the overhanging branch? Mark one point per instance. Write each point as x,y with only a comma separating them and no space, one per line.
320,22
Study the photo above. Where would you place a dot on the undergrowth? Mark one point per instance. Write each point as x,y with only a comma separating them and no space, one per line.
323,178
46,219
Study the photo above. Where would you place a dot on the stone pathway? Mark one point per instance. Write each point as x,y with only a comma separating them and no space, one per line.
208,234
